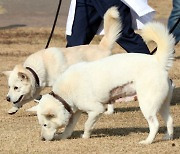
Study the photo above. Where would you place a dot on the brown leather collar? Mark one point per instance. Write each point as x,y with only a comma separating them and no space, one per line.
35,76
66,105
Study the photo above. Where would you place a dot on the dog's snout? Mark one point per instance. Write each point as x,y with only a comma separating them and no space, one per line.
8,98
43,138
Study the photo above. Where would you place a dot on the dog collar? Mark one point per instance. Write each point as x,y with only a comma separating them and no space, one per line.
60,99
34,75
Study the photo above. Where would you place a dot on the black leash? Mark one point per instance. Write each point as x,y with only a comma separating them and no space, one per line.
171,30
54,24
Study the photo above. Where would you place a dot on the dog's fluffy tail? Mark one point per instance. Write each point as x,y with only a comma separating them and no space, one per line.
159,33
112,28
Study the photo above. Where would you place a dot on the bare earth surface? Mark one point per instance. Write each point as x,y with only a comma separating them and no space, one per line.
117,133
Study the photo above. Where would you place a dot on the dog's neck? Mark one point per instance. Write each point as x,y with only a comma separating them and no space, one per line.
37,82
39,72
65,104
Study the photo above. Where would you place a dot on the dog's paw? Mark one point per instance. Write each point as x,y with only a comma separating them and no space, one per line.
108,112
85,136
145,142
110,109
168,137
13,110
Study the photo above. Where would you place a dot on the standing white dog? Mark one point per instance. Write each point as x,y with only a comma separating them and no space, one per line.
86,87
42,68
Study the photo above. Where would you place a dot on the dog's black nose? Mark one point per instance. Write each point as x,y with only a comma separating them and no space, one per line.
43,139
8,99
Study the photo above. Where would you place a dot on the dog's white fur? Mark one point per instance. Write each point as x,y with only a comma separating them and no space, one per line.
86,87
128,94
51,62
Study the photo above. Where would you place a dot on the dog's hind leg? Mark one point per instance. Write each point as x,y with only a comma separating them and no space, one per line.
153,126
149,111
165,113
169,122
93,116
151,96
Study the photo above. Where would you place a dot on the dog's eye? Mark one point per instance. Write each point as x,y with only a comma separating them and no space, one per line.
15,88
44,125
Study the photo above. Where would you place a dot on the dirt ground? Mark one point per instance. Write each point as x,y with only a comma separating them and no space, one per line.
117,133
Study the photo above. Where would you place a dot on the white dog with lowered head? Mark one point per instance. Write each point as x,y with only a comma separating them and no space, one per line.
86,87
42,68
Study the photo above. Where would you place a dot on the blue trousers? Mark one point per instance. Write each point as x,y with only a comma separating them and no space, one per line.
174,16
88,17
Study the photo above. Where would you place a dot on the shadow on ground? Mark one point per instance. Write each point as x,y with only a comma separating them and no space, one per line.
12,26
128,109
176,96
178,57
105,132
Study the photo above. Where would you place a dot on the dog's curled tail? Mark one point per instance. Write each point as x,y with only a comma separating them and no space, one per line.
159,33
112,28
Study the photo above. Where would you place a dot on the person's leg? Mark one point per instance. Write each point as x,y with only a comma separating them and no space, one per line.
86,23
129,40
175,15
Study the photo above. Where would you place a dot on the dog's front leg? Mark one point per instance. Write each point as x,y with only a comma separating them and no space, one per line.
92,118
70,127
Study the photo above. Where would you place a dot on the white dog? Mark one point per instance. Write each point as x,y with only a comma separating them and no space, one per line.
42,68
87,87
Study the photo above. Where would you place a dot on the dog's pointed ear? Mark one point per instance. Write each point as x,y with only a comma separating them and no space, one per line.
23,76
7,73
49,113
33,109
